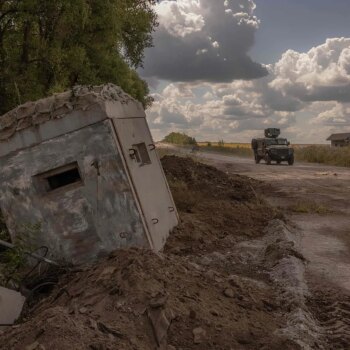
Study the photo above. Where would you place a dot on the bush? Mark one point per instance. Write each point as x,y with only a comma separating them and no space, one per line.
12,261
178,138
4,234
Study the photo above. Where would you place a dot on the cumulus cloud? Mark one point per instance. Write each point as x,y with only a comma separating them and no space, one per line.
178,91
338,114
314,85
204,40
322,74
217,91
180,18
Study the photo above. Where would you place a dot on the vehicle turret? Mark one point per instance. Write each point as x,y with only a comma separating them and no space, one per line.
272,133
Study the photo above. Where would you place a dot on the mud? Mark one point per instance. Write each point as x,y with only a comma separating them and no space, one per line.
224,281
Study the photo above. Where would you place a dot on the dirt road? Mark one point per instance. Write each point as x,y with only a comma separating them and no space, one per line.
315,199
320,196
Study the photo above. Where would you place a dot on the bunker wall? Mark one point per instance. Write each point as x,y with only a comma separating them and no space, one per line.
94,212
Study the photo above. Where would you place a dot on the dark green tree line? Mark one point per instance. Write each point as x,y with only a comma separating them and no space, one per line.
179,138
48,46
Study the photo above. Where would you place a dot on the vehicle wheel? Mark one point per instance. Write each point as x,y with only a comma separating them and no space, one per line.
268,159
278,162
257,159
291,160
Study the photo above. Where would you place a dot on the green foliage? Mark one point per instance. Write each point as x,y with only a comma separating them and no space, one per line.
13,260
209,144
50,46
324,155
4,234
180,139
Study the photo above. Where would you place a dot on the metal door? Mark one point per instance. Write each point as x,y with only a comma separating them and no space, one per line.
148,178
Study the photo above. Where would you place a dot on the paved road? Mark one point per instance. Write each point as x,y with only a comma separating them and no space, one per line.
325,237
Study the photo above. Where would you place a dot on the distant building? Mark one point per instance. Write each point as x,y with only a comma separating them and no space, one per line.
340,140
83,164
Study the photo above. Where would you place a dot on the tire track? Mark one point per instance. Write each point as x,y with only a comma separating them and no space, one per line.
332,311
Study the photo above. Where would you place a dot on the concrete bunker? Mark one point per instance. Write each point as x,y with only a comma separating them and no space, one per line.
83,167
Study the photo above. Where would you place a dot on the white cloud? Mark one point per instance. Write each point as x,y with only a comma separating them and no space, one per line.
178,91
180,18
216,91
201,52
322,74
203,40
311,88
245,18
336,115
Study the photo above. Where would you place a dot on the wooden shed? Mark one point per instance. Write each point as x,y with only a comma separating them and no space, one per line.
340,140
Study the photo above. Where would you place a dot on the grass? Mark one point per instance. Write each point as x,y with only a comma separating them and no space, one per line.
162,152
225,145
184,197
309,207
324,155
237,149
12,261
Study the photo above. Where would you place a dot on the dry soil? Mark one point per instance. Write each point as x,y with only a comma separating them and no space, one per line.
219,284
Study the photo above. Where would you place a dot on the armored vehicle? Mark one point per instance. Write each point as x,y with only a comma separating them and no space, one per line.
272,148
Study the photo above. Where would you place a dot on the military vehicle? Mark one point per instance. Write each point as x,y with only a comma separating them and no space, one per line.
272,148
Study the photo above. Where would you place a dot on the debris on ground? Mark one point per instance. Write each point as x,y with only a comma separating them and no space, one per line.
11,304
210,289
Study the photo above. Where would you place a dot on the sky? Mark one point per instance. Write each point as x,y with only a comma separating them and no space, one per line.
227,69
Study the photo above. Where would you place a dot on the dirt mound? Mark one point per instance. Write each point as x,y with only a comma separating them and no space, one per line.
199,294
140,300
217,209
206,179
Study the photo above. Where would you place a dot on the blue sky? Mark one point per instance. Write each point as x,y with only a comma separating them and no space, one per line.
227,69
297,25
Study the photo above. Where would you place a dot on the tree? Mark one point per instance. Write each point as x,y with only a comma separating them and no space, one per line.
180,139
221,143
50,46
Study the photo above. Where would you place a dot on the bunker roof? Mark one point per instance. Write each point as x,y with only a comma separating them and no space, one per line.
58,106
339,137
